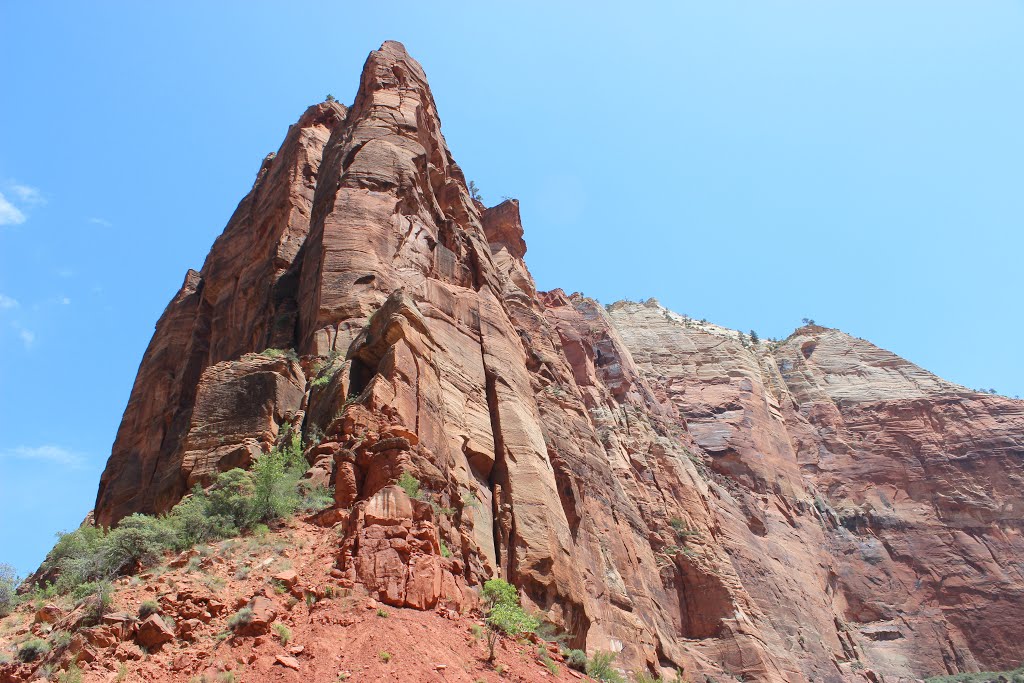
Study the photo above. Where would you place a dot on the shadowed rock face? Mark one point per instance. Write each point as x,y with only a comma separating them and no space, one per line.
817,509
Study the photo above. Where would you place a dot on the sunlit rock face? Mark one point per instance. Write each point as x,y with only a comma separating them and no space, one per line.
812,509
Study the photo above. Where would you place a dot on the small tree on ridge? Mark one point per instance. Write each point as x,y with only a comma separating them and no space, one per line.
503,613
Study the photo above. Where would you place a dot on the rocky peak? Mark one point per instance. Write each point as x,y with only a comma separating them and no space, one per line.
656,486
827,362
504,228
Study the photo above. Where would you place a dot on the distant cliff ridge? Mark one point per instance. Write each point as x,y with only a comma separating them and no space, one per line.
810,509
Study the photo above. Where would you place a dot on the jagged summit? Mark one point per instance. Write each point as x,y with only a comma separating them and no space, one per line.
656,487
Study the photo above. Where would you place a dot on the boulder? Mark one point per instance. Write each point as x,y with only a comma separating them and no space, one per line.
153,632
287,661
48,614
263,615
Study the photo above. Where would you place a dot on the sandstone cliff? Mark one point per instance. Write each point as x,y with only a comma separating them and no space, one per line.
816,509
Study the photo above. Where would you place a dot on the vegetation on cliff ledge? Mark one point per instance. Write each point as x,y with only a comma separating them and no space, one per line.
238,500
1015,676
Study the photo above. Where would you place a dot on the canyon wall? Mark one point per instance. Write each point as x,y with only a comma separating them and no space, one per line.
812,509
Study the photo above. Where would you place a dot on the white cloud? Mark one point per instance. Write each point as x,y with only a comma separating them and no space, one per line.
9,213
48,453
65,301
7,302
28,195
28,337
101,222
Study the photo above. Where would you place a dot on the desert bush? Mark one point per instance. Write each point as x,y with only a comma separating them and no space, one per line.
315,498
280,353
544,658
73,674
98,599
138,539
575,659
33,649
8,589
148,608
237,501
1014,676
240,618
284,633
503,613
276,477
229,502
600,667
682,531
60,639
79,557
410,484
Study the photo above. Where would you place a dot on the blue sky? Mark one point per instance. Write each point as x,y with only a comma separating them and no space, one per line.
752,163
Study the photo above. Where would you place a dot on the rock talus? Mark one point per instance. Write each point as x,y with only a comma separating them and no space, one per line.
814,509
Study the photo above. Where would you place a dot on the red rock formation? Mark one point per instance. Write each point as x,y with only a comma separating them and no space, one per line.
243,300
814,510
882,503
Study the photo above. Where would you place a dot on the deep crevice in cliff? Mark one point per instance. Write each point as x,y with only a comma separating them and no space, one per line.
498,479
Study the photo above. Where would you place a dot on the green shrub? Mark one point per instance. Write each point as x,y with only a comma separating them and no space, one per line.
148,608
280,353
276,478
445,552
240,618
283,633
1016,676
315,498
229,502
236,501
386,656
503,614
138,539
314,435
78,556
410,484
72,675
682,531
547,631
33,649
544,658
97,599
8,589
575,659
600,667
